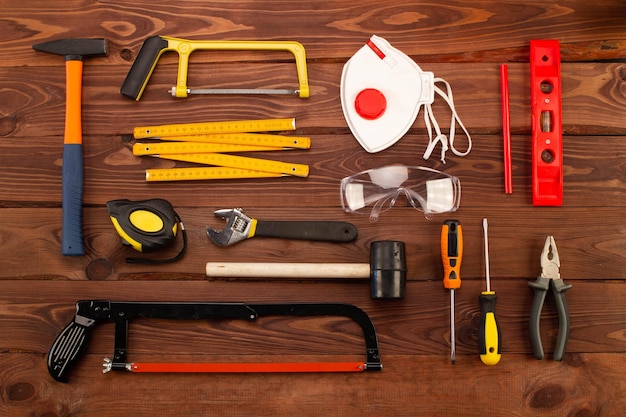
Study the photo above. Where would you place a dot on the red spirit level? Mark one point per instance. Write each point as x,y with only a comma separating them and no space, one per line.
547,147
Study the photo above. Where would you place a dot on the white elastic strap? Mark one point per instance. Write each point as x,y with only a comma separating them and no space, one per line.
429,117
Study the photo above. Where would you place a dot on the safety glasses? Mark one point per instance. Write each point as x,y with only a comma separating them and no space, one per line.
425,189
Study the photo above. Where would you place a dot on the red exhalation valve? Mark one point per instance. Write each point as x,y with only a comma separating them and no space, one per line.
547,141
370,104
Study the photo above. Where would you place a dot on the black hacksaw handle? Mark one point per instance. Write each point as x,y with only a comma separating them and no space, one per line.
142,68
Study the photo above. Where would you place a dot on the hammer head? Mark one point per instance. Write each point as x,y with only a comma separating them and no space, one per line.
75,49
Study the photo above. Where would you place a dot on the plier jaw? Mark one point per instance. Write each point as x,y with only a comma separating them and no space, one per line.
550,277
550,262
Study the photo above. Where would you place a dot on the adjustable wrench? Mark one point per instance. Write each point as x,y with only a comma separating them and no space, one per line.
240,227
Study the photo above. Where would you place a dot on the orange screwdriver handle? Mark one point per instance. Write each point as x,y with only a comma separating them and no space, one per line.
451,253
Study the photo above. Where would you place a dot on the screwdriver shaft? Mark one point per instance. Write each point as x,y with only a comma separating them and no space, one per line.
487,278
452,330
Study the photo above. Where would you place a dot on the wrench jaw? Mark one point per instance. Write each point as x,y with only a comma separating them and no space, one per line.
237,228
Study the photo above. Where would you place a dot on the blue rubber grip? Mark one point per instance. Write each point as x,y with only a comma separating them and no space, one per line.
72,237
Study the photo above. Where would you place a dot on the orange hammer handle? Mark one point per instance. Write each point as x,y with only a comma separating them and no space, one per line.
73,99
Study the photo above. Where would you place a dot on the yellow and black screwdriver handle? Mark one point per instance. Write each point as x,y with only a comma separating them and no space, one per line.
147,226
155,46
489,337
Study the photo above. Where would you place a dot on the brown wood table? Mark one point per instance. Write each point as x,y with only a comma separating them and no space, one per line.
462,42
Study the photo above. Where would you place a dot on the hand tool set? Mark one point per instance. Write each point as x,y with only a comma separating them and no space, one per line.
382,91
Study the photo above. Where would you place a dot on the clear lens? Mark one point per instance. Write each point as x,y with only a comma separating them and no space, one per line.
425,189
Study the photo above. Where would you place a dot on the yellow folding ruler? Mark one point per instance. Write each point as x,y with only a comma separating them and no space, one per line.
209,143
210,128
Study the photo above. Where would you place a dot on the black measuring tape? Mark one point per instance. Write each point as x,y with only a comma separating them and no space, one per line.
147,226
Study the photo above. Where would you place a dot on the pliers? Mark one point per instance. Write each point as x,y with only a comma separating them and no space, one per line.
550,277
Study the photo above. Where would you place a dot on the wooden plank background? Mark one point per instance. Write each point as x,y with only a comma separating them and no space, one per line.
463,42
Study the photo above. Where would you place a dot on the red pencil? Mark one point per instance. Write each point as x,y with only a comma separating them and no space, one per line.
506,128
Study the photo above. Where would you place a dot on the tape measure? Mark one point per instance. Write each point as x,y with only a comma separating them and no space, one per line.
238,126
147,226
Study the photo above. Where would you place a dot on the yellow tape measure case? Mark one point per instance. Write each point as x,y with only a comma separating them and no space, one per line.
147,225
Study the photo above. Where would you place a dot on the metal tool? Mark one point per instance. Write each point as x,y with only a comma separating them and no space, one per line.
241,227
386,270
489,337
71,342
74,51
452,255
550,278
139,74
547,141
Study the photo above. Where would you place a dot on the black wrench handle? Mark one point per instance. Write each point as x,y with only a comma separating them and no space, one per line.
327,231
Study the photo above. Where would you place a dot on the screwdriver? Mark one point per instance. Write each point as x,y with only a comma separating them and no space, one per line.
451,255
489,338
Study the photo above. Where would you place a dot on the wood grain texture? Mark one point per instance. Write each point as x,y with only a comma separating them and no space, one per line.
462,42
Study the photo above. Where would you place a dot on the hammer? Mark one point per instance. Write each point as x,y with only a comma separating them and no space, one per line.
74,50
386,270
